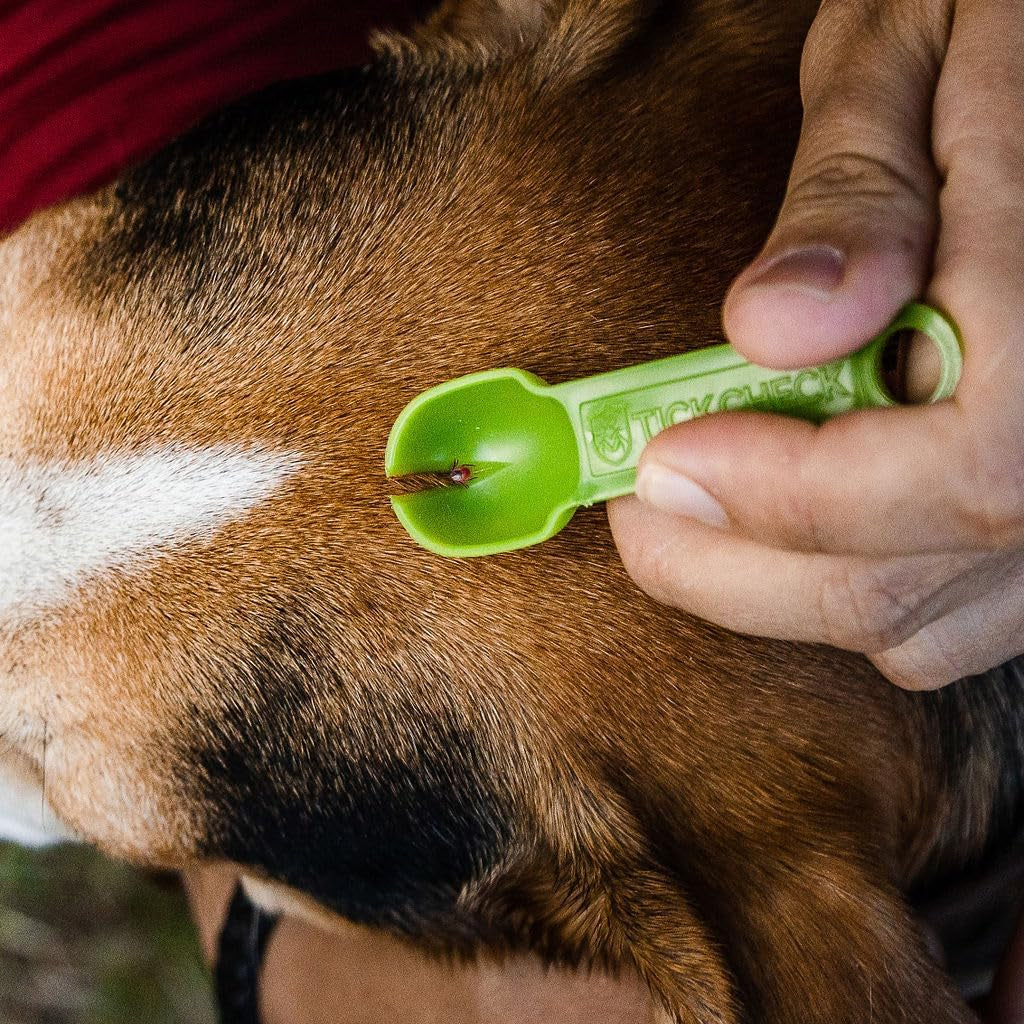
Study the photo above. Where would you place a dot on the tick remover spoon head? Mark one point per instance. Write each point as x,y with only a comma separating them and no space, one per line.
514,457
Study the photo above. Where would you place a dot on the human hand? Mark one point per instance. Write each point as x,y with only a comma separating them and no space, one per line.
900,532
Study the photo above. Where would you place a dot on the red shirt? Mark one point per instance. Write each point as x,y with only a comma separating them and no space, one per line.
88,86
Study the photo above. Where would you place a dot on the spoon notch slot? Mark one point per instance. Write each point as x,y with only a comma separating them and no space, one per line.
459,475
518,447
410,483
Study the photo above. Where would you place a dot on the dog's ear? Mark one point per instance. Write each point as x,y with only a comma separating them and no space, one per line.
497,24
571,38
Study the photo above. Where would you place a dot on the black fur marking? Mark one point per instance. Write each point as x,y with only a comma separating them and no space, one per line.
279,165
382,813
979,718
973,908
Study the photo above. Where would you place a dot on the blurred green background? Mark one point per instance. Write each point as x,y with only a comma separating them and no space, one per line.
88,941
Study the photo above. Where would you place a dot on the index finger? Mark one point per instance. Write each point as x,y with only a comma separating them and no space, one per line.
891,481
909,479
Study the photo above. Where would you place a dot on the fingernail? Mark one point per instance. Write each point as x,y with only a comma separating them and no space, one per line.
678,495
815,269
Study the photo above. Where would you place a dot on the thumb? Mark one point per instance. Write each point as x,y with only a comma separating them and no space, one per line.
853,240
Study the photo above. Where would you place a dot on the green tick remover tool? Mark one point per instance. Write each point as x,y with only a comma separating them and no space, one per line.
513,457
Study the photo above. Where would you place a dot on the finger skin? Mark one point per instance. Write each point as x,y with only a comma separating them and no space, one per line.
976,635
893,481
862,182
924,621
867,605
979,272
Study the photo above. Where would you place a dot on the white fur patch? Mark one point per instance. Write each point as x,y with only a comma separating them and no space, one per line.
63,524
25,815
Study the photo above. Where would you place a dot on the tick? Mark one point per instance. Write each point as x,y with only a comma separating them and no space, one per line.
460,473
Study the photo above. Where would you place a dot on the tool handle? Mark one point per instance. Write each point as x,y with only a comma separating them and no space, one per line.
615,414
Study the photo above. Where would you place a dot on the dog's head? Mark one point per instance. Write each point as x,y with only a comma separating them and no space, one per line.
215,639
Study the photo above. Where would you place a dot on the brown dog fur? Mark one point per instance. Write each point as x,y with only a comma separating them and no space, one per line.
515,752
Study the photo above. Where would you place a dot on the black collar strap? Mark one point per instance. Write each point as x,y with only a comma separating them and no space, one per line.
243,941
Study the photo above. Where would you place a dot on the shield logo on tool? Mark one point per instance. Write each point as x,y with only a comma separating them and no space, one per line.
610,433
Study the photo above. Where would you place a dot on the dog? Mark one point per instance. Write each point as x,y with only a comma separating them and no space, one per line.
217,643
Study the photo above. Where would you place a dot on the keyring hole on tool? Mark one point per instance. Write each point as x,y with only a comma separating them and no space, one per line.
911,367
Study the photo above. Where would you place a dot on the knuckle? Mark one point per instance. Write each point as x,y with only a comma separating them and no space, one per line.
989,164
863,607
837,24
874,183
802,513
841,27
827,32
992,502
848,37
